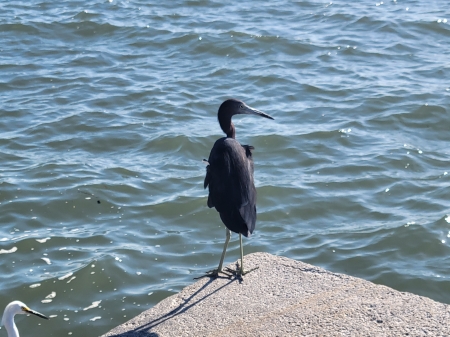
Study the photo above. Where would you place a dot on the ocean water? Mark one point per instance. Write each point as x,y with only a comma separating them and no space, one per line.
108,108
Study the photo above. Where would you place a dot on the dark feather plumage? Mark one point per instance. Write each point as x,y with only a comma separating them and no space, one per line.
229,174
229,177
232,192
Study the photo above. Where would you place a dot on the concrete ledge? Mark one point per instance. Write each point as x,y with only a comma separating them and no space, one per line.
285,297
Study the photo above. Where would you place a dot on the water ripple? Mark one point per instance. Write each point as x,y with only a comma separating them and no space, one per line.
109,108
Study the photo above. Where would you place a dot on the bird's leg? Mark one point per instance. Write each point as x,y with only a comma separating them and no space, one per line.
215,272
219,269
241,271
242,255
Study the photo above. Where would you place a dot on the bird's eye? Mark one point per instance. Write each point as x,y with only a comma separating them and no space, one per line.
242,107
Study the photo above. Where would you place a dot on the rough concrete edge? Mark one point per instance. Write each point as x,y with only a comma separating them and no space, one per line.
175,300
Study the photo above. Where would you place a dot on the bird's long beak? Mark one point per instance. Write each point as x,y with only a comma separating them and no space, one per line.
38,314
248,110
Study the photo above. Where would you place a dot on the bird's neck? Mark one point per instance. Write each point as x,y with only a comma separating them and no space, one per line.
231,133
11,328
229,129
227,125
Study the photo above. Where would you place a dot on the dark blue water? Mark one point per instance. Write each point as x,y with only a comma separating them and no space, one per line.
108,108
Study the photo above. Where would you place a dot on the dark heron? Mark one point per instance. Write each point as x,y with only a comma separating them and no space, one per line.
229,176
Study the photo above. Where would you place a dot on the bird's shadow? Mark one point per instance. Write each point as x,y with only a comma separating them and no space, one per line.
143,330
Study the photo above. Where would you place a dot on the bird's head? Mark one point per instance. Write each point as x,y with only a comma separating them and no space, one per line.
18,308
232,107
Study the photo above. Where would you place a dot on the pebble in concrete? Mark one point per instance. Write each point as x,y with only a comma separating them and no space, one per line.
285,297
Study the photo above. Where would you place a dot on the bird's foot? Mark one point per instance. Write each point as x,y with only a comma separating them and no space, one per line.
213,274
244,272
240,272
